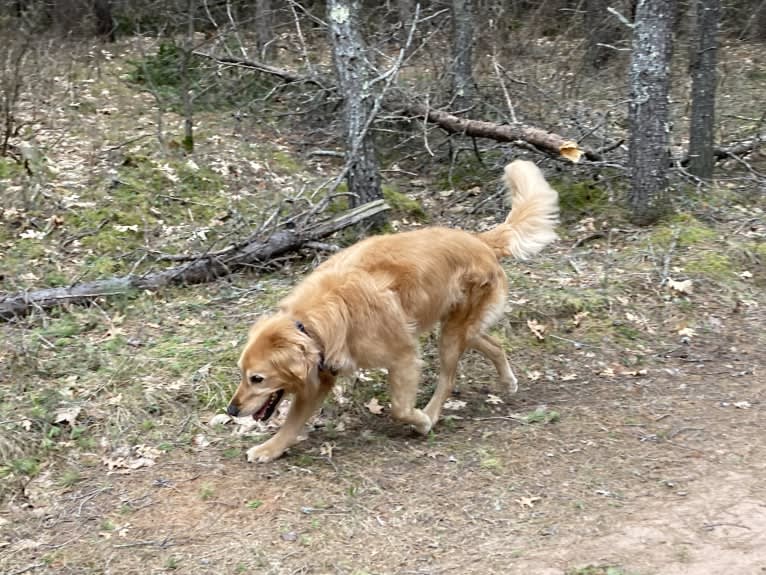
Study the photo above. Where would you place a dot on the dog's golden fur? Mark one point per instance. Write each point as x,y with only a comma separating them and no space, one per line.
365,306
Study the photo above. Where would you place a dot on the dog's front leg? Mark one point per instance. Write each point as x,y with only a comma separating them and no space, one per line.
403,379
302,408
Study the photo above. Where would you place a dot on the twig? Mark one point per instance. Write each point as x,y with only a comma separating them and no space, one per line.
90,496
502,417
668,255
505,90
621,18
425,129
28,568
163,544
301,39
577,344
711,526
586,239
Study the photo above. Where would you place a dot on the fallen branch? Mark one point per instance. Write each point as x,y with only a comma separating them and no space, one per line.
545,141
284,74
206,268
542,140
737,150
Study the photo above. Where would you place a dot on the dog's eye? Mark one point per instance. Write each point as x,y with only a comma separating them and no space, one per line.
256,378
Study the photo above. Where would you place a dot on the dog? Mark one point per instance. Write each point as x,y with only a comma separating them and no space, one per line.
366,305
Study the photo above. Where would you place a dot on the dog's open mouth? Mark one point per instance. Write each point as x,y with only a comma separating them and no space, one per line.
268,408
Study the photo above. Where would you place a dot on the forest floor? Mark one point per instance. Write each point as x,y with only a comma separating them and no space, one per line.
636,443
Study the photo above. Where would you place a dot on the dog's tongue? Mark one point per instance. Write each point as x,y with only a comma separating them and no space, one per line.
268,408
258,415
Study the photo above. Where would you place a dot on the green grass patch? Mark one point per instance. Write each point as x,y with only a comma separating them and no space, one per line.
540,415
578,199
404,204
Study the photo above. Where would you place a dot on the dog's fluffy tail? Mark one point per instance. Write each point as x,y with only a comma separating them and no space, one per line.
534,213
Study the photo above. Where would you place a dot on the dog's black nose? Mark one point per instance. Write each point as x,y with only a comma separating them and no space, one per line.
232,410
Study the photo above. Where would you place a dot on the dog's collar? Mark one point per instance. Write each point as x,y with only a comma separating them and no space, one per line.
322,366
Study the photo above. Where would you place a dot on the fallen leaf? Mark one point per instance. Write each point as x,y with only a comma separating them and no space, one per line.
536,328
493,399
326,449
635,372
687,332
683,287
527,501
374,407
534,375
200,440
454,404
67,415
578,317
32,235
569,377
219,419
746,275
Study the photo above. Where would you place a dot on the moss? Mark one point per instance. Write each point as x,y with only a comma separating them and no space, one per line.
687,230
580,198
403,204
9,168
284,162
468,171
714,265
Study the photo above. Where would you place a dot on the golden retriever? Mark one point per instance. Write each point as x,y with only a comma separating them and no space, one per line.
365,307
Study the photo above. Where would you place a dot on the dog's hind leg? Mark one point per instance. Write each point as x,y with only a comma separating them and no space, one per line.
304,405
491,348
403,379
451,346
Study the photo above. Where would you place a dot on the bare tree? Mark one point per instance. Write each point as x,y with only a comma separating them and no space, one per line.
187,97
350,58
264,29
649,123
603,31
462,53
703,69
102,12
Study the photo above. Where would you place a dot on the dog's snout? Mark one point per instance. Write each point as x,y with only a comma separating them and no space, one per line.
232,410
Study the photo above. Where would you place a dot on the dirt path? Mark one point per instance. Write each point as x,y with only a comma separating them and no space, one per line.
667,477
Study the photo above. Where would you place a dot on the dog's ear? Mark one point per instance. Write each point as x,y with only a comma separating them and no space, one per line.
293,359
290,354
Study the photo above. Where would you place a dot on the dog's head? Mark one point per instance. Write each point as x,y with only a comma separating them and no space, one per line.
278,358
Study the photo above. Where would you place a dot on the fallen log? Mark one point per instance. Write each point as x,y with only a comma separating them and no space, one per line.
548,142
201,270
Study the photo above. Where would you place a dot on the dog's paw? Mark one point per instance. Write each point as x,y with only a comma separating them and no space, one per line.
511,384
424,425
262,454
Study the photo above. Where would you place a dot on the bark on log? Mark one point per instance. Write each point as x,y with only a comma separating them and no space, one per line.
204,269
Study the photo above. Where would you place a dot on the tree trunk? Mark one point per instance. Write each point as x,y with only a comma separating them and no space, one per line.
349,56
462,54
648,117
102,12
264,29
703,69
186,87
601,28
